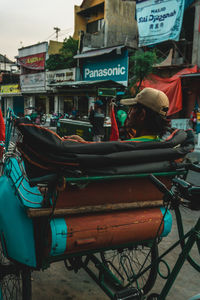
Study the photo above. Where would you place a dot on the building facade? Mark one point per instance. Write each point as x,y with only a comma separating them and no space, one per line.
105,23
104,29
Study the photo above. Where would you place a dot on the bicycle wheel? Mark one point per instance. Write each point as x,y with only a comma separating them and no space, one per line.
130,262
15,280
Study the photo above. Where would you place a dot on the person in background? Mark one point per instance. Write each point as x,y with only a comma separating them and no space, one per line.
198,121
74,113
147,115
193,118
121,116
96,118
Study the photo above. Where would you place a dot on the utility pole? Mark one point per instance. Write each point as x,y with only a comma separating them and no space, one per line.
5,62
57,30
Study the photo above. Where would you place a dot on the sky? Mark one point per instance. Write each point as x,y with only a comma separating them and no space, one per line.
27,22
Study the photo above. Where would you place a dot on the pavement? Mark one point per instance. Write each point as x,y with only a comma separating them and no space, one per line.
195,155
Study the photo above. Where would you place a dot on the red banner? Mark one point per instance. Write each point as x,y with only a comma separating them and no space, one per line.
34,62
114,135
2,127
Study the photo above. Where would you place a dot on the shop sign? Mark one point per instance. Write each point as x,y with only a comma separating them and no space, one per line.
112,67
32,82
159,20
10,89
60,75
107,92
34,62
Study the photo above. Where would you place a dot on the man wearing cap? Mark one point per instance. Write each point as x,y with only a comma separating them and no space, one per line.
146,119
147,116
96,118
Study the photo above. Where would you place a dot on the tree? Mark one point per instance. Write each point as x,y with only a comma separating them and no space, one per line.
68,50
65,58
141,65
55,62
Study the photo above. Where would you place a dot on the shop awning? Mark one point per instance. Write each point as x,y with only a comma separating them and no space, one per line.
171,87
10,94
79,84
98,52
192,75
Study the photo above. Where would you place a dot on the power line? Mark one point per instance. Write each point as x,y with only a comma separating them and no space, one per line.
49,36
64,31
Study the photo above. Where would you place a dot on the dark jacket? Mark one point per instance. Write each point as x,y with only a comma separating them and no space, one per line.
96,118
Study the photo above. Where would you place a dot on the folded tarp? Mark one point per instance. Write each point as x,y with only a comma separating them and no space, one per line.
45,152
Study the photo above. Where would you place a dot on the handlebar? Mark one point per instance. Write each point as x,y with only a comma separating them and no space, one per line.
183,189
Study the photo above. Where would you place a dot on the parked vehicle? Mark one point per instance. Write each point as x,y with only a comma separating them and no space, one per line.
56,117
35,117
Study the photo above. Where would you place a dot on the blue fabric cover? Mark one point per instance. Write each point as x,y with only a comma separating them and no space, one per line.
29,196
16,229
167,221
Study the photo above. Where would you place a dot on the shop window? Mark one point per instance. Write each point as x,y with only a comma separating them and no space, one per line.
68,105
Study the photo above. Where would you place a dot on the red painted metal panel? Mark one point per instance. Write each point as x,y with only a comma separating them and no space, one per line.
117,191
95,231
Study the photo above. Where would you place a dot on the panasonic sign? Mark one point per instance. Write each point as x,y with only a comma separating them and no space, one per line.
119,70
113,68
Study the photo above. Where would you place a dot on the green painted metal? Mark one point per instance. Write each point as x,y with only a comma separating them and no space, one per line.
114,177
107,92
105,279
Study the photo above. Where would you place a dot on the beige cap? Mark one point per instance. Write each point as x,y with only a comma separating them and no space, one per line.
152,98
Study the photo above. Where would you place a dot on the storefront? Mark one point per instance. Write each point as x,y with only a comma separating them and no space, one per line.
104,76
34,91
33,77
86,93
11,97
62,102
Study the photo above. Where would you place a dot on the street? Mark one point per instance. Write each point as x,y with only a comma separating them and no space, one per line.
56,283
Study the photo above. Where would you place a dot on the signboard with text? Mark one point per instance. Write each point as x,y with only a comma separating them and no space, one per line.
111,67
34,62
60,76
32,82
159,20
107,92
10,89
